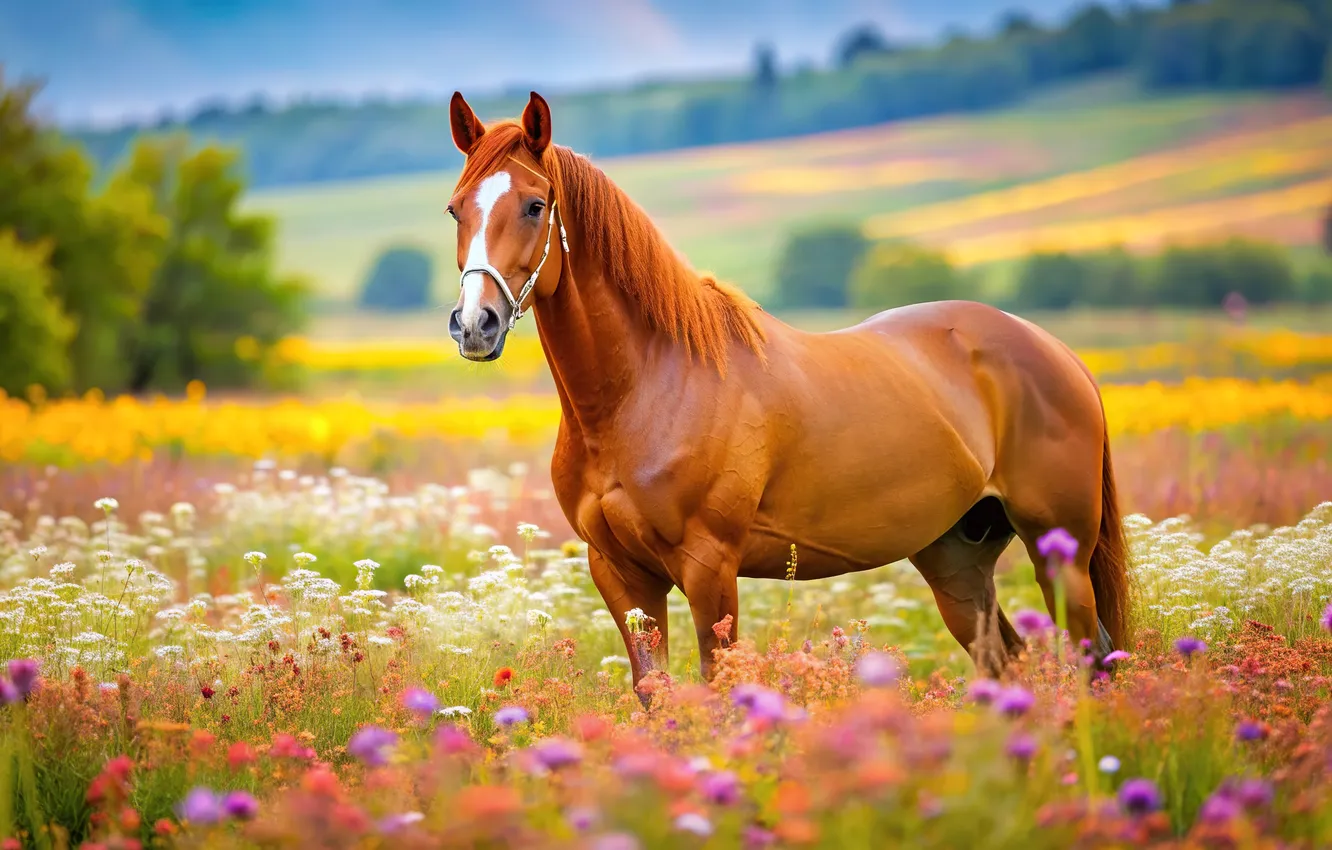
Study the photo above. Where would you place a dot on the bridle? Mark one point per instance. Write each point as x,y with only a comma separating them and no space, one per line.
516,302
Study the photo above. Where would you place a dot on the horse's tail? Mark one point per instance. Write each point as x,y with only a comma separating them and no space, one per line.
1109,560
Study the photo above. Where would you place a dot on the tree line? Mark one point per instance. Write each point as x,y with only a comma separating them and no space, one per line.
151,279
835,266
1223,44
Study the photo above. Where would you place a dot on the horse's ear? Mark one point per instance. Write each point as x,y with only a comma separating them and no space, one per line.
467,128
536,125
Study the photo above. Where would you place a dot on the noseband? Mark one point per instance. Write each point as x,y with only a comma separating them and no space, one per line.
516,302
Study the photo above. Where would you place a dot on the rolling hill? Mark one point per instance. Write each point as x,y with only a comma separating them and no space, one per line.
1078,168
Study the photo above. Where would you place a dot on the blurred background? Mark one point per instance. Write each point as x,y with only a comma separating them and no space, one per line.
222,227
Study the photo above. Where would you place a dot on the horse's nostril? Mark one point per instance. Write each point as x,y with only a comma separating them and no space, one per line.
455,326
489,324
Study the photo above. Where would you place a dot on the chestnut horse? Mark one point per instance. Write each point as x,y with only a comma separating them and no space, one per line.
701,437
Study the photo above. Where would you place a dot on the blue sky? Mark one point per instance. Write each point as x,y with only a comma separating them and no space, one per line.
105,60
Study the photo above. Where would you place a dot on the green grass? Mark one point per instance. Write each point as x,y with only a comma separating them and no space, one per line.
332,232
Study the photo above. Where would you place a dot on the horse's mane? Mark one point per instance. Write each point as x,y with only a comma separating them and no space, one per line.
696,310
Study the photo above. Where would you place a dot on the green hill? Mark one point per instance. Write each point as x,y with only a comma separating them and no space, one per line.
1077,165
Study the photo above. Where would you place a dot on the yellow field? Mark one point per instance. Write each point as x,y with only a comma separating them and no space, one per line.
121,429
524,360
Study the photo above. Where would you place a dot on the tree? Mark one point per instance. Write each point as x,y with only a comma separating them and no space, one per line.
864,40
215,307
765,67
1017,22
102,249
1203,275
400,280
816,265
1050,281
893,274
1327,228
34,330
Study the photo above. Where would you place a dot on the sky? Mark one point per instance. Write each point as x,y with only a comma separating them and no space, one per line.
106,61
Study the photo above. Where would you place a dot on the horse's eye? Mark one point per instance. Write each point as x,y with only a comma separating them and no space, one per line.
453,212
534,209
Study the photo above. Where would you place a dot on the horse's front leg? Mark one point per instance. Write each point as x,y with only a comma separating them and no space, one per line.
627,588
707,570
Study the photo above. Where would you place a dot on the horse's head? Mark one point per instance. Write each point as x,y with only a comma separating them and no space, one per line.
510,233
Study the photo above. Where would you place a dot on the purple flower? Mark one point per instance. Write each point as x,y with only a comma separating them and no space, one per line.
1117,655
511,715
1327,617
758,838
759,702
878,669
1021,746
721,787
240,805
371,745
1250,730
984,691
581,818
694,823
1219,808
1057,545
1189,645
1015,701
201,805
1030,623
8,693
1255,793
555,753
24,673
420,701
1139,796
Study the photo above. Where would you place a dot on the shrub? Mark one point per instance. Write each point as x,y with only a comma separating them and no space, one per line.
816,265
1316,288
1057,281
399,280
34,330
1203,275
893,274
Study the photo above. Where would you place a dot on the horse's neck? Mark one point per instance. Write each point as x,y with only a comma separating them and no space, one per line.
594,343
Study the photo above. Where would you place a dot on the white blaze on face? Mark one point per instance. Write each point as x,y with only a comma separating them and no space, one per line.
487,195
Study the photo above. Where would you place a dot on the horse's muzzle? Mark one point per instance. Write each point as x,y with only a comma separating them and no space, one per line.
481,339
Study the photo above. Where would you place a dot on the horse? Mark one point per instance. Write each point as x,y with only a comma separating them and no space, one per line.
700,437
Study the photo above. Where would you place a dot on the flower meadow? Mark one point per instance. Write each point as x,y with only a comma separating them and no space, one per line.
331,660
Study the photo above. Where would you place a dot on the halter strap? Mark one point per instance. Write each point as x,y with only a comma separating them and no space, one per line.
516,303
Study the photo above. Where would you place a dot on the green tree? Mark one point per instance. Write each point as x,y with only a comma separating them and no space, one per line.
215,307
399,280
816,265
893,274
1203,275
103,248
1051,281
1327,219
34,330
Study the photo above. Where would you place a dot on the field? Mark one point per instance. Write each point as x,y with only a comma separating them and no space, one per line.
1081,168
347,620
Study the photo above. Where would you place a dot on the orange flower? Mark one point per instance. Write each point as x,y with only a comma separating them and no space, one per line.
488,801
792,798
589,727
503,676
239,755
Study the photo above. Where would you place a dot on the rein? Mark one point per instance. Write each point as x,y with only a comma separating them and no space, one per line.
516,302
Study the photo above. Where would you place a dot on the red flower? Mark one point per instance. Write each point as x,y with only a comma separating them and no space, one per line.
503,676
239,755
207,692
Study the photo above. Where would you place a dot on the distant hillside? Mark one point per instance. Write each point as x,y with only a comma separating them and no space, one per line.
1078,168
1224,44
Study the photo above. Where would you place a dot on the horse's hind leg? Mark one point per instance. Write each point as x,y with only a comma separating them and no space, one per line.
959,568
